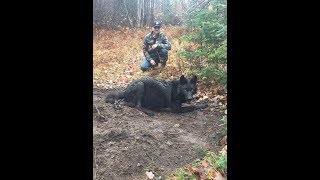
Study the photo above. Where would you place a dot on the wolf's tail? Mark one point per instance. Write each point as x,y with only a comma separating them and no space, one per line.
113,96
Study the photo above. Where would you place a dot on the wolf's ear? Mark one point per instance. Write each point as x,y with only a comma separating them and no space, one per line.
193,79
183,80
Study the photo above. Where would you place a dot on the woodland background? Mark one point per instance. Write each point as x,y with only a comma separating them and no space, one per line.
197,31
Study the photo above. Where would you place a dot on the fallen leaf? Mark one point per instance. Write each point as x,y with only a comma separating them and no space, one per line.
205,164
121,78
205,97
191,169
150,175
211,174
224,140
202,174
224,150
218,176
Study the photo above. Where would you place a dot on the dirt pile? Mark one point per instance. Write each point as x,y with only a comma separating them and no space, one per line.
127,142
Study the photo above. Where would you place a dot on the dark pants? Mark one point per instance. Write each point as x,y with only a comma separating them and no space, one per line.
160,56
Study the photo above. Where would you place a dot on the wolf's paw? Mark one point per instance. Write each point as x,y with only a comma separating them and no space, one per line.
109,100
118,104
146,111
203,106
150,113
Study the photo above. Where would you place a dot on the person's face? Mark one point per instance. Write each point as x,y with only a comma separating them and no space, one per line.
156,29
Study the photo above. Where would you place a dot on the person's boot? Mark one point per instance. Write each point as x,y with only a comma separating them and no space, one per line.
163,62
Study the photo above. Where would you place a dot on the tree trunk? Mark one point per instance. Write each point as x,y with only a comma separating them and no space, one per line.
152,12
146,8
138,14
129,19
141,13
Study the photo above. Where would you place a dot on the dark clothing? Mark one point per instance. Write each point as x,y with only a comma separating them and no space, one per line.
160,56
161,52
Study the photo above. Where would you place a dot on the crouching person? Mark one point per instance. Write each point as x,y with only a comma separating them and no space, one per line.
155,48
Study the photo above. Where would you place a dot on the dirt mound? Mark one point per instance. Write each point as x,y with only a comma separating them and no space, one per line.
127,142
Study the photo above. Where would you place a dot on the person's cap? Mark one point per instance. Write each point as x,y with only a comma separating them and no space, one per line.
156,24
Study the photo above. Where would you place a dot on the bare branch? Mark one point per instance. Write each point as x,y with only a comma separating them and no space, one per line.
99,112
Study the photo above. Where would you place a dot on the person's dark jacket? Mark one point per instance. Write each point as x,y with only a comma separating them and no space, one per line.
161,40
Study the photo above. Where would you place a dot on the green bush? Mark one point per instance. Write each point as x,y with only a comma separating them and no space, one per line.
224,121
182,175
207,42
221,162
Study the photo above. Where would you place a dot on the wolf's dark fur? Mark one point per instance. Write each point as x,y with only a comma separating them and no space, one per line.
153,94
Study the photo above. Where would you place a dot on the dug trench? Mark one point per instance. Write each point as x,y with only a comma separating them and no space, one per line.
127,142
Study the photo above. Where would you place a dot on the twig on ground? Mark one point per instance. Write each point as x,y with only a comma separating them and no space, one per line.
99,112
150,157
96,165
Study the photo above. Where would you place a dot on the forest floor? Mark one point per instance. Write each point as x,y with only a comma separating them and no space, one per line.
128,143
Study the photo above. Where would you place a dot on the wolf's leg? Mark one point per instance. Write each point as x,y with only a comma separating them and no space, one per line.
194,107
176,107
139,93
144,110
113,96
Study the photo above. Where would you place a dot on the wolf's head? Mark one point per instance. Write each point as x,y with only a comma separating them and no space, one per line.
187,88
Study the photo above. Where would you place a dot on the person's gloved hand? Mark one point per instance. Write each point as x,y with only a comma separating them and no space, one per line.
152,62
154,46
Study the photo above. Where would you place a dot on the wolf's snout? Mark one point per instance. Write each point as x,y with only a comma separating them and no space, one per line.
189,96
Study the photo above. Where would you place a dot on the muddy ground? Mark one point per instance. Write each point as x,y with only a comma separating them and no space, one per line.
128,142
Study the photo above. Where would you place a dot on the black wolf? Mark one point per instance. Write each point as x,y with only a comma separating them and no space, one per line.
153,94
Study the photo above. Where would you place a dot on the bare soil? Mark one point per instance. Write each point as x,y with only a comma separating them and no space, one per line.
128,142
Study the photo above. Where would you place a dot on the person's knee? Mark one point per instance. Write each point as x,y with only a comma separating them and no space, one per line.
144,65
143,68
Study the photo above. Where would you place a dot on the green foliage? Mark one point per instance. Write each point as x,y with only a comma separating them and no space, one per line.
202,151
207,42
168,14
210,157
223,107
183,175
224,121
221,162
